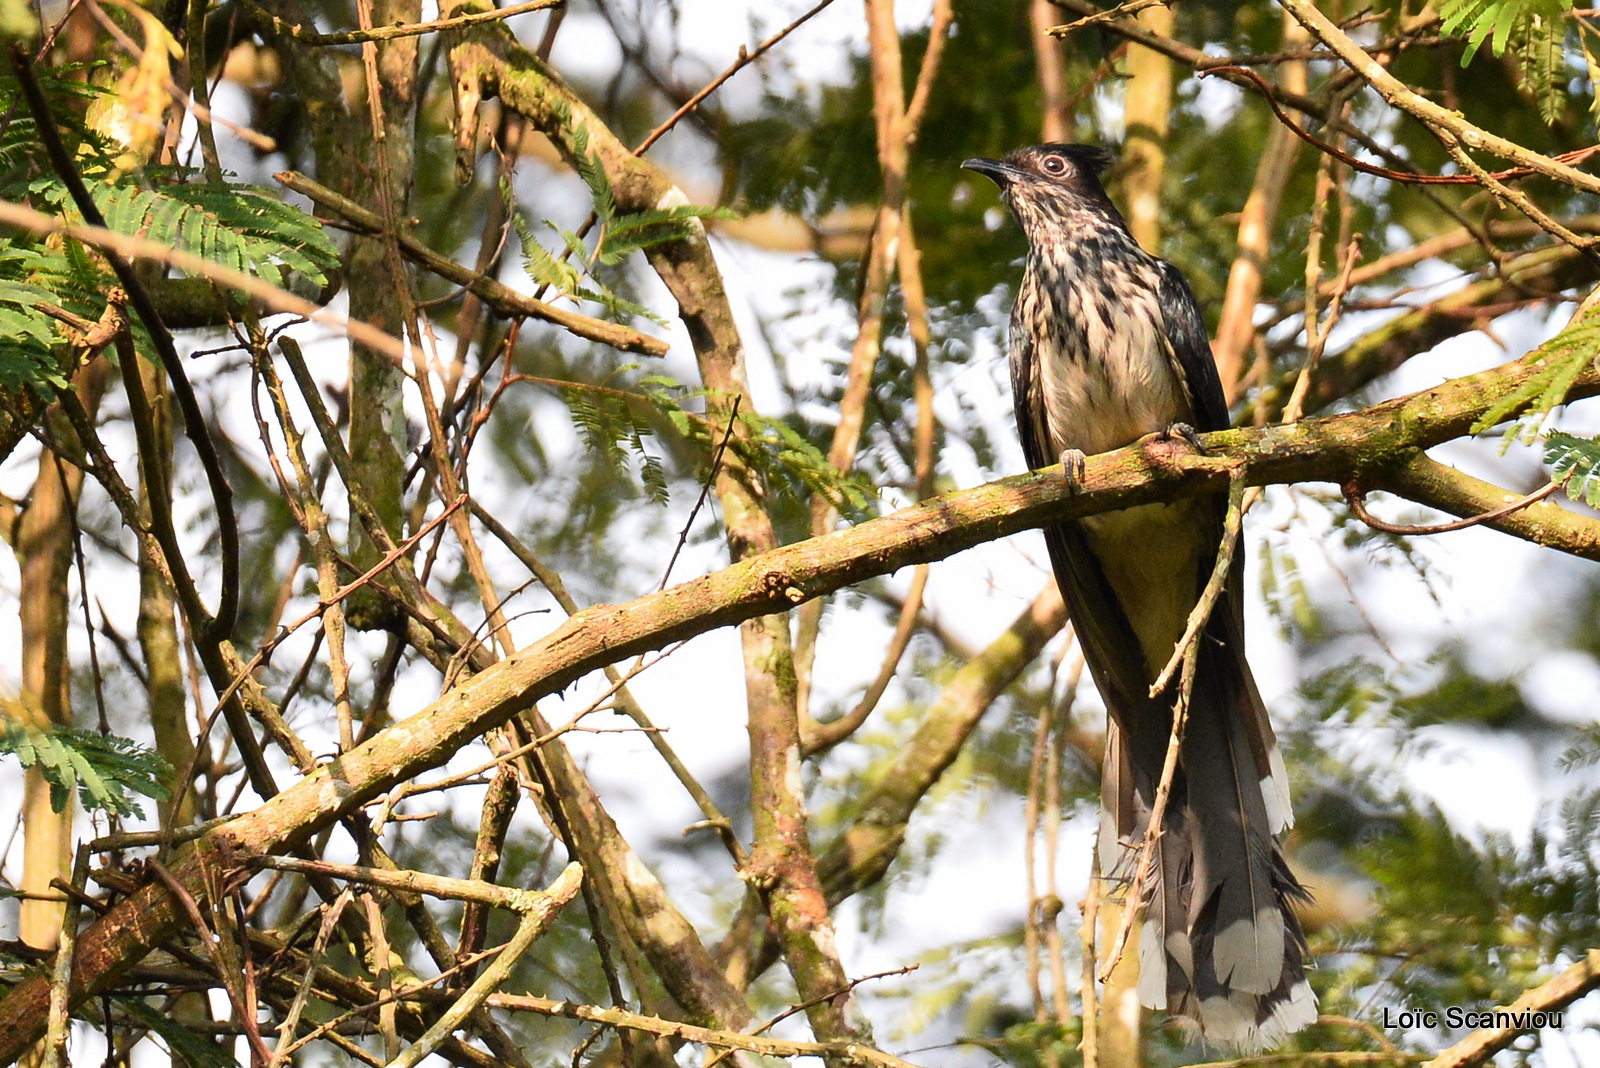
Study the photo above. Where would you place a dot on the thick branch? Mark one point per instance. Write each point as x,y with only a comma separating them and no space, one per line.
1564,989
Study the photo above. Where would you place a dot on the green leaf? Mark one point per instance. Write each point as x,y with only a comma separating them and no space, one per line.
27,336
593,173
1576,462
104,769
544,269
642,229
239,226
1533,31
1560,360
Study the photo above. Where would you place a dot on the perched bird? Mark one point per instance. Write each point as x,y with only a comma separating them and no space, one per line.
1108,346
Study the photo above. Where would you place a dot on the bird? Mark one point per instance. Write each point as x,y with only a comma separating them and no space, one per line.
1107,346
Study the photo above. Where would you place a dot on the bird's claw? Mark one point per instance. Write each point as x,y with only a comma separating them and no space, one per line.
1074,467
1187,433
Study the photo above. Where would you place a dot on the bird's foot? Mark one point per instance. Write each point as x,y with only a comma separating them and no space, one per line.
1074,466
1187,433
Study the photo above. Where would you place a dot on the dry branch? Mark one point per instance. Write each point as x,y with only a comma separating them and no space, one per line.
500,297
1564,989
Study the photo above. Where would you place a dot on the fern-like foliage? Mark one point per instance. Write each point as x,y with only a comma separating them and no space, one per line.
1575,462
26,361
557,273
784,456
1585,752
237,225
613,425
778,449
624,234
619,234
106,770
69,95
1531,30
1560,360
617,423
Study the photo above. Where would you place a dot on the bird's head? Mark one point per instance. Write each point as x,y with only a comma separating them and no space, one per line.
1050,183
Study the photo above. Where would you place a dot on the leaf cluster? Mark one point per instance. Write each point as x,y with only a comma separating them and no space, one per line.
105,769
616,423
1532,31
240,226
1575,462
1560,361
619,234
614,428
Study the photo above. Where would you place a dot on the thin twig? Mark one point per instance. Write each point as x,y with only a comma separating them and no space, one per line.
1089,1044
1317,327
1450,127
799,1007
745,58
1201,612
501,297
893,134
1030,858
626,703
412,882
366,577
1132,7
1356,497
55,1048
927,74
705,490
1564,989
1406,177
291,1019
533,923
820,737
1453,132
214,941
1293,1060
1052,905
850,1052
389,33
314,521
1366,1027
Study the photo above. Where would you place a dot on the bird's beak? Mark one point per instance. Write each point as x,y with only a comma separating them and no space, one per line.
997,171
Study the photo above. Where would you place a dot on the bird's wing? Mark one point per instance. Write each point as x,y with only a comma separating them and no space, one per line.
1111,648
1186,332
1031,430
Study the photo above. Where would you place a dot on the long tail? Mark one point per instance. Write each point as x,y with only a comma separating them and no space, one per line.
1221,946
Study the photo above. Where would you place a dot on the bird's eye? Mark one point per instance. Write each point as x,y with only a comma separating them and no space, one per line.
1055,165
